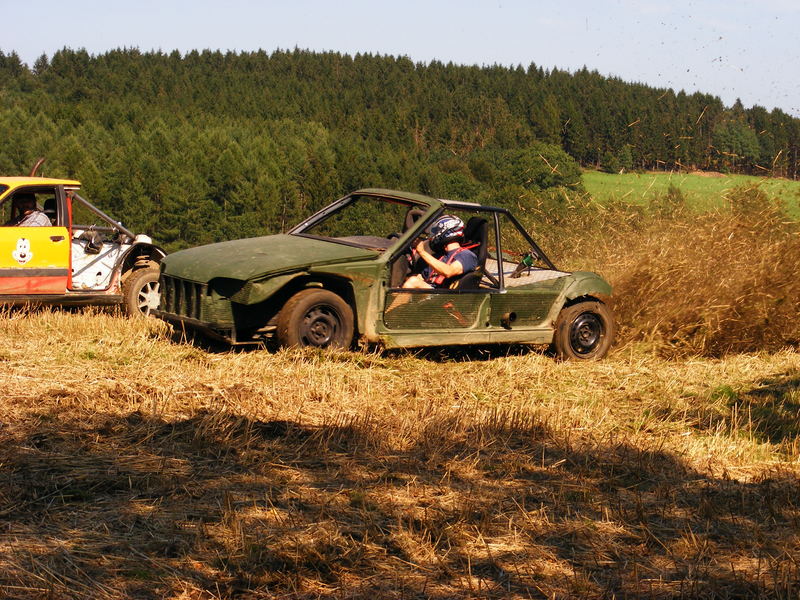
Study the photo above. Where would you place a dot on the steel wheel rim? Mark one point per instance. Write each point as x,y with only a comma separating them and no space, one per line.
585,333
149,297
320,326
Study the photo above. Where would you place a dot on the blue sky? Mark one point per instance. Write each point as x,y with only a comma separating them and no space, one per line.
733,49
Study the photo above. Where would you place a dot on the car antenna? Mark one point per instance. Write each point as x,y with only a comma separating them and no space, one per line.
36,167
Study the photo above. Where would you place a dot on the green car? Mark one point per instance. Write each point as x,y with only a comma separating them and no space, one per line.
337,278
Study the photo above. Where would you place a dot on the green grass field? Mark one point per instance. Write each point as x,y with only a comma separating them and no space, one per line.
702,191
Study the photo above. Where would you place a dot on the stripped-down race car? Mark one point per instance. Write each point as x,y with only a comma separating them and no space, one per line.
66,251
336,279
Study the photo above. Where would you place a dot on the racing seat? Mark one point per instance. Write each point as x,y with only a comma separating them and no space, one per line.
49,208
469,281
412,216
475,239
403,268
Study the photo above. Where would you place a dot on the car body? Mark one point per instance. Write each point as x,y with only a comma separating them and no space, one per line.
81,256
336,278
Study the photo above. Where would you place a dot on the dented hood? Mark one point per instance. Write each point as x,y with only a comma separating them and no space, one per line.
254,257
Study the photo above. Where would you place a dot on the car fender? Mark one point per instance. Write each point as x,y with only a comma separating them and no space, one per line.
255,292
141,254
340,284
587,284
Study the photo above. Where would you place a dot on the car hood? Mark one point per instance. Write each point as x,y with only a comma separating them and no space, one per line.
253,257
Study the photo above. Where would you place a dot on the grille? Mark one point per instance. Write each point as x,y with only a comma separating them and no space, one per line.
181,297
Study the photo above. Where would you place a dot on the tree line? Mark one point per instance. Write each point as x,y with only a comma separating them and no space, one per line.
203,146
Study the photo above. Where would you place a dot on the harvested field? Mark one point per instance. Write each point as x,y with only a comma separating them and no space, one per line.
137,467
689,283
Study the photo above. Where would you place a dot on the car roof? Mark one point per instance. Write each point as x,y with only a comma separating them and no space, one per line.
410,196
15,182
428,200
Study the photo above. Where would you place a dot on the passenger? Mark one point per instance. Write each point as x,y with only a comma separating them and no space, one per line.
27,215
453,260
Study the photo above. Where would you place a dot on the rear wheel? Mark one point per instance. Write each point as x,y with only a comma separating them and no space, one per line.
316,317
584,331
140,292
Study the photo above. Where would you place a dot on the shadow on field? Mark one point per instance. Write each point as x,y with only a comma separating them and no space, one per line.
440,354
221,506
471,353
771,410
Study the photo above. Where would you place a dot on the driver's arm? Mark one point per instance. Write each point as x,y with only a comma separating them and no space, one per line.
451,270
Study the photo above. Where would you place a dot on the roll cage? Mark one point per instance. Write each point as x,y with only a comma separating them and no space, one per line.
398,243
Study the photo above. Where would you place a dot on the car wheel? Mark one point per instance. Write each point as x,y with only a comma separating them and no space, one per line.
317,318
584,331
141,292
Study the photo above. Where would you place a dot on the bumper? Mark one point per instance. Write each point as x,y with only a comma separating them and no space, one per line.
184,323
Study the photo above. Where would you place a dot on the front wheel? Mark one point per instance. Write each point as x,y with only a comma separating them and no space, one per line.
584,331
316,317
140,292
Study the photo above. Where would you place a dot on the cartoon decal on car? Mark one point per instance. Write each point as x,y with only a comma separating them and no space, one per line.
57,248
22,253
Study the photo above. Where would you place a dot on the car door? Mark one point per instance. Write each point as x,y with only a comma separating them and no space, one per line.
434,310
530,282
34,260
452,314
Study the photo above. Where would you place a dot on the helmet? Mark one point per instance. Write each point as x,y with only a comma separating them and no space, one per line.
446,229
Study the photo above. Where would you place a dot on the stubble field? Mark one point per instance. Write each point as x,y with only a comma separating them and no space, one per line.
134,465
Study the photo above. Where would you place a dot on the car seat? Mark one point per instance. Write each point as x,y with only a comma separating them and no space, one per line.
402,267
475,239
412,216
49,208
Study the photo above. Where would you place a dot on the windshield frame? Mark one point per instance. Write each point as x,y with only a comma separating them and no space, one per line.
370,242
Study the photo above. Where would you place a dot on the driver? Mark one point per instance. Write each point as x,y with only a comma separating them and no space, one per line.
444,257
27,214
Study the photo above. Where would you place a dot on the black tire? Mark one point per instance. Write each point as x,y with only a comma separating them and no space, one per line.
317,318
140,292
584,331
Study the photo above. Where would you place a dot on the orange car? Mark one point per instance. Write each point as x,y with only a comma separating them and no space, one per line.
57,248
